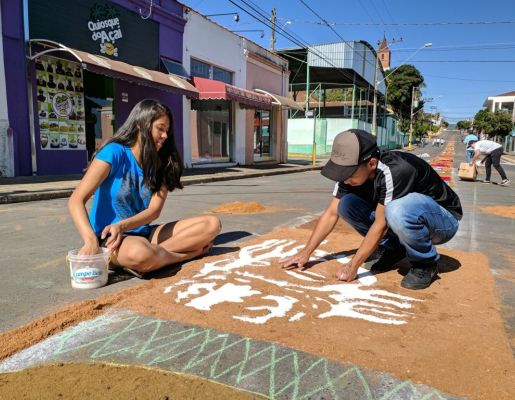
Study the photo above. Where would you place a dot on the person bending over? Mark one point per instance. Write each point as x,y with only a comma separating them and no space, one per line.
492,152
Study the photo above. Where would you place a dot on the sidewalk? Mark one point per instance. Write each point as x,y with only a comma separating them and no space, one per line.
33,188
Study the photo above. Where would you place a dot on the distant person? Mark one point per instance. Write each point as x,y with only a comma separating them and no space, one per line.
131,176
395,200
469,152
492,152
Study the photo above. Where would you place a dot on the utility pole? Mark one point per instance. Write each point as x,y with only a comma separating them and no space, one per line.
272,36
411,118
374,108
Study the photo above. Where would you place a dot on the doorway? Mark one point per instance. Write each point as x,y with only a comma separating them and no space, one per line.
99,110
264,145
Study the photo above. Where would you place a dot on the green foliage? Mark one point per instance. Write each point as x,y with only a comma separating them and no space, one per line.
503,123
404,125
400,86
338,95
493,124
463,125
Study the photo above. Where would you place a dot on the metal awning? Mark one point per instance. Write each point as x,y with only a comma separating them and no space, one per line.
281,100
118,69
216,90
174,67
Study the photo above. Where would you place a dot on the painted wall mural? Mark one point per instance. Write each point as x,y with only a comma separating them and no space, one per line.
60,95
309,293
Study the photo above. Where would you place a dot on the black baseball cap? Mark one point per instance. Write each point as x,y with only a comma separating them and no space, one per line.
350,149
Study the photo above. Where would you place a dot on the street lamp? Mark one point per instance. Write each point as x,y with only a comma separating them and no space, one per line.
411,119
254,30
376,83
236,16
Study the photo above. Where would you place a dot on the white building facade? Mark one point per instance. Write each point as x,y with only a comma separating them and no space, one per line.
219,135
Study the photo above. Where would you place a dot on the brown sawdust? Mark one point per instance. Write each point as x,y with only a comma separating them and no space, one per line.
22,337
239,207
454,342
501,211
456,328
111,382
453,331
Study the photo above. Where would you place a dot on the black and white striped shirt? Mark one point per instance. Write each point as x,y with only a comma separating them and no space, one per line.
398,174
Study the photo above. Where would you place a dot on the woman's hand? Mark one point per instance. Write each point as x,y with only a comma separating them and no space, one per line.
298,260
114,235
346,273
90,248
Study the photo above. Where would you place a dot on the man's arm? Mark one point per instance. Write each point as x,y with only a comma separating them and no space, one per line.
477,153
324,226
376,232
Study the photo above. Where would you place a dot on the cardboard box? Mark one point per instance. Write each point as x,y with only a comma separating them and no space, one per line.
467,172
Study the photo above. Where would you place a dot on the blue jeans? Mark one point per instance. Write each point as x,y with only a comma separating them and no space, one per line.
415,221
469,154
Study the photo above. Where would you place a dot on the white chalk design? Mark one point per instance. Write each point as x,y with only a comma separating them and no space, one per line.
307,291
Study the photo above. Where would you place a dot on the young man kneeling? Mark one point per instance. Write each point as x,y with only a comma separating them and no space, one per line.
395,200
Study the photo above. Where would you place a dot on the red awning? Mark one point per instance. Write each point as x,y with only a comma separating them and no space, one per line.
216,90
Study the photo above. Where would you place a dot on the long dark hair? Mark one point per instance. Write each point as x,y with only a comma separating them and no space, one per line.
163,167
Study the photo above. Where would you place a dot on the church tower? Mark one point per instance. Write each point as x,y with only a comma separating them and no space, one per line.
384,54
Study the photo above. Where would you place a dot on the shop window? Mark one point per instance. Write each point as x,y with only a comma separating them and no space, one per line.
213,136
205,70
222,75
198,68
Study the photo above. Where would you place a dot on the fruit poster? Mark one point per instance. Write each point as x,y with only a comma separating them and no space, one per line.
60,95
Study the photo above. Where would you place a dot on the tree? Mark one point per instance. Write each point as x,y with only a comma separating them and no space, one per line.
463,125
484,122
502,123
400,86
338,94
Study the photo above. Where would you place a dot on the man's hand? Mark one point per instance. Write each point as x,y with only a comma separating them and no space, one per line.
298,260
346,272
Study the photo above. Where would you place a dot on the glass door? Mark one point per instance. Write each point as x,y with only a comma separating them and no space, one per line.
263,137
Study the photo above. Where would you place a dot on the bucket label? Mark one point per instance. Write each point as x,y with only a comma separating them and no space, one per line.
87,274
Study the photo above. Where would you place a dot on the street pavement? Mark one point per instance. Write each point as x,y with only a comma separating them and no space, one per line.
36,235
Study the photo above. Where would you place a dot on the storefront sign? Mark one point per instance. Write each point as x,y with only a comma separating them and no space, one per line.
60,104
98,27
105,28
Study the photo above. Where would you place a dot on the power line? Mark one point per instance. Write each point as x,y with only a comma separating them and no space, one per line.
334,30
447,23
465,79
465,61
283,32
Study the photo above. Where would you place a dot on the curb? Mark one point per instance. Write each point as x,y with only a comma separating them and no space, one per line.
188,180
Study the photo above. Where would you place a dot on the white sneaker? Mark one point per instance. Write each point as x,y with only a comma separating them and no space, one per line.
505,182
485,181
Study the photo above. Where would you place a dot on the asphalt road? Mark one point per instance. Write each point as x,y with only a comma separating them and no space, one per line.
36,236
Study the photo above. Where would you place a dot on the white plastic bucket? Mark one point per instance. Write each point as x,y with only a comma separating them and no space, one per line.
88,272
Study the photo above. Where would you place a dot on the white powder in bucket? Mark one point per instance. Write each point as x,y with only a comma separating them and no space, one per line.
88,272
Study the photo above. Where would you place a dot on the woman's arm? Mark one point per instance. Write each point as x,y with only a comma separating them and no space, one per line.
95,175
151,213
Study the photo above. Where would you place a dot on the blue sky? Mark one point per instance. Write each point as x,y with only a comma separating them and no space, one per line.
458,88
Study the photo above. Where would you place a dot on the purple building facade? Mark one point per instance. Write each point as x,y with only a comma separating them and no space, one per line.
93,105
